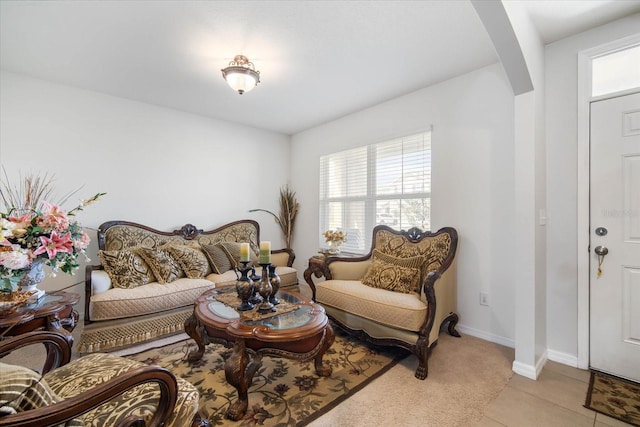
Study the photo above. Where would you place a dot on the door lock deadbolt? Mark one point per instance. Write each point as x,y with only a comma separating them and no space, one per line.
601,231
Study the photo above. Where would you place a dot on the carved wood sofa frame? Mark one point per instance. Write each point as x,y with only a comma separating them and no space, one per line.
187,232
419,344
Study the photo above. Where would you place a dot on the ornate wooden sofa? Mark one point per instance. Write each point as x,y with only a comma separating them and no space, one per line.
97,390
400,294
148,279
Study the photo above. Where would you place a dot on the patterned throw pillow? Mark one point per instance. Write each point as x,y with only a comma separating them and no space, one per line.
125,268
192,260
393,274
22,389
164,267
217,258
232,249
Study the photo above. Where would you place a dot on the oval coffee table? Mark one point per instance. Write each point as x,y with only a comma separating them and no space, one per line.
299,330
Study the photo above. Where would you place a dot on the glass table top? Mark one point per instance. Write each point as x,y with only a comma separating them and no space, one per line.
301,316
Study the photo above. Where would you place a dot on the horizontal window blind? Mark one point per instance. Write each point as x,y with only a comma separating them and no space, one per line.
384,183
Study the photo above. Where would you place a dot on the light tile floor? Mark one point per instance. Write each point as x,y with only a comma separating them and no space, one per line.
555,399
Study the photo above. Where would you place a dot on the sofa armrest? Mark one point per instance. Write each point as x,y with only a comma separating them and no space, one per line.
96,280
57,347
81,403
283,257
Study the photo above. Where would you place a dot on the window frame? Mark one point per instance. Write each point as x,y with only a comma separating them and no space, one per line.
372,197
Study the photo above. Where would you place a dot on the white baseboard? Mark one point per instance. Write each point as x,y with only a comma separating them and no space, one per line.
564,358
486,336
530,371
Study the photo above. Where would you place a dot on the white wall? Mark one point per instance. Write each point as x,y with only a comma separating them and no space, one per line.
561,60
160,167
473,190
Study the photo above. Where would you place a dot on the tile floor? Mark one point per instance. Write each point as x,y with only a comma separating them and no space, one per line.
555,399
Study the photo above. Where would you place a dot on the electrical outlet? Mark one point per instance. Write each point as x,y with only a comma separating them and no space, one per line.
484,298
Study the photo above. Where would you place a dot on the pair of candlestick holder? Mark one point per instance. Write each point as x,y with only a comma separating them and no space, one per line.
254,290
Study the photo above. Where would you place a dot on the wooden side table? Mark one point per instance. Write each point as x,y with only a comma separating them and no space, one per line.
53,312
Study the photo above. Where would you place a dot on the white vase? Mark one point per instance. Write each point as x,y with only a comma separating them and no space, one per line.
334,247
31,279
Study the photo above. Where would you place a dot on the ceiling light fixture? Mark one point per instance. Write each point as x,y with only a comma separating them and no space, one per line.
241,75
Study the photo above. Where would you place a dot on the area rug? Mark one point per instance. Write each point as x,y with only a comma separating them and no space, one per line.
284,392
615,397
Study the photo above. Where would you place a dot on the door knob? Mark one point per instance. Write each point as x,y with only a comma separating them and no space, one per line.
601,250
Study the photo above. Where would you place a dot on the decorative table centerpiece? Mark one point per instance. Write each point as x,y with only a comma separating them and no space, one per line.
35,233
335,239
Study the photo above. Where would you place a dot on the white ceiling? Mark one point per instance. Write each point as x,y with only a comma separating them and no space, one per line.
318,60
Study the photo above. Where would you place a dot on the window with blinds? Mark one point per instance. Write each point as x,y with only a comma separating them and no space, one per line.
385,183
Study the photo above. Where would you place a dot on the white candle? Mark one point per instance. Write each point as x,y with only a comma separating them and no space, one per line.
265,252
244,252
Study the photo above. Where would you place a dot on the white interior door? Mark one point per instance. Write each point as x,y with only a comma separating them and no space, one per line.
615,225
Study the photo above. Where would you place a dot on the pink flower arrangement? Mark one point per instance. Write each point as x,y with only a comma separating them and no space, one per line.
47,232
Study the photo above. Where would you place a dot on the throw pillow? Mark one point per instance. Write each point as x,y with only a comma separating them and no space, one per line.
164,267
22,389
232,249
392,273
125,268
218,259
192,261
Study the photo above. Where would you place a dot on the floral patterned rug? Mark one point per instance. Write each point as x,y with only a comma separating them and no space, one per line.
614,397
284,392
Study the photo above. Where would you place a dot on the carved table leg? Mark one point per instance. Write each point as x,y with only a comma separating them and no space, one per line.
191,327
239,370
54,325
69,323
329,336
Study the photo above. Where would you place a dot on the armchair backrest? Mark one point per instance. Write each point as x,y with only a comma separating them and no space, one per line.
438,248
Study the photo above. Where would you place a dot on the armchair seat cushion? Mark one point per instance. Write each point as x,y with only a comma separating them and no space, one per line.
396,309
82,374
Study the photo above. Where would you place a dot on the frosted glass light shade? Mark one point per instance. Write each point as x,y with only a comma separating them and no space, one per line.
241,75
240,81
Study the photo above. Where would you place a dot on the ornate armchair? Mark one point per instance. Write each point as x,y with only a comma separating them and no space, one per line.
400,294
98,390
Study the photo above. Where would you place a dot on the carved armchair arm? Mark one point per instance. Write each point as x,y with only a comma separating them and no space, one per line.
283,257
75,406
335,267
58,348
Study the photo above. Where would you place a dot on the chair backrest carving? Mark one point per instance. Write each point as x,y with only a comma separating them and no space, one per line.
118,235
438,248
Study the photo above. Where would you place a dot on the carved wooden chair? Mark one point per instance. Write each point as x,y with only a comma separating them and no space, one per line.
98,390
400,294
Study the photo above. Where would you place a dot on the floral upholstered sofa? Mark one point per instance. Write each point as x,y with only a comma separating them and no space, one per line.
400,294
147,281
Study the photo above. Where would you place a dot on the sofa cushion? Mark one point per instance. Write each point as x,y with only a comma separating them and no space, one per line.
393,273
151,298
164,267
218,259
126,268
396,309
192,260
84,373
232,250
